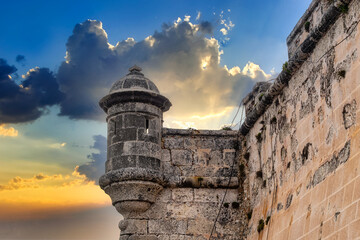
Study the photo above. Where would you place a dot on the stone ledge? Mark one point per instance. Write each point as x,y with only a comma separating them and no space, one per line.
299,57
205,182
194,132
299,25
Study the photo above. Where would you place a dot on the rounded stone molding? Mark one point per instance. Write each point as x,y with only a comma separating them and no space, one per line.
133,196
128,174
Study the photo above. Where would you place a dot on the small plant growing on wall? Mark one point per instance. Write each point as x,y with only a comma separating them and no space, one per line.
285,67
344,8
261,96
261,225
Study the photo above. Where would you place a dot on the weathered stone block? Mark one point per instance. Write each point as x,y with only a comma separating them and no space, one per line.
133,226
131,120
181,157
143,237
125,134
229,157
165,155
200,226
215,195
116,150
123,162
166,226
216,158
108,166
149,162
205,143
225,143
180,237
141,148
174,143
183,194
202,157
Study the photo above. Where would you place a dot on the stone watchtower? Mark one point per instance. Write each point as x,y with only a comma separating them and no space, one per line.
135,109
166,183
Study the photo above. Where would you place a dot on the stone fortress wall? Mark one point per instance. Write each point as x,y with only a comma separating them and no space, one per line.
292,171
167,183
303,149
196,165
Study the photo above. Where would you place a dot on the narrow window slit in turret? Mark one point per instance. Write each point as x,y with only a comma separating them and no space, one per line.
147,126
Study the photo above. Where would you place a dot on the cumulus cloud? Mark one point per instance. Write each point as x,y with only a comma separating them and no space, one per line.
8,131
96,167
29,100
182,59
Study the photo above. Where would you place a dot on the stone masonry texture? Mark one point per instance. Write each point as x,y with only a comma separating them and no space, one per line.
290,172
305,142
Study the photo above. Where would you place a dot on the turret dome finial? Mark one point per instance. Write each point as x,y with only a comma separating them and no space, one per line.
135,68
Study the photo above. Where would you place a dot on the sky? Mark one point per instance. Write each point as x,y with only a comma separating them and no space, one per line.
58,58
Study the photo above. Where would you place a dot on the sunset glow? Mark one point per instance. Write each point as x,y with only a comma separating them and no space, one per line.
58,58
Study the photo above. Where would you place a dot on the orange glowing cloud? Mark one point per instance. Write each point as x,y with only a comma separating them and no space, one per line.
43,195
43,180
8,132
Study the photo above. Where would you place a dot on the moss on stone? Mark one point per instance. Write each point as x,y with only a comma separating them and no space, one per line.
261,225
344,8
267,220
285,67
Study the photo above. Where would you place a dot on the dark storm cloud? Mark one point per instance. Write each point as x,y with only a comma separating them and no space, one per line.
20,59
27,101
94,169
181,59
